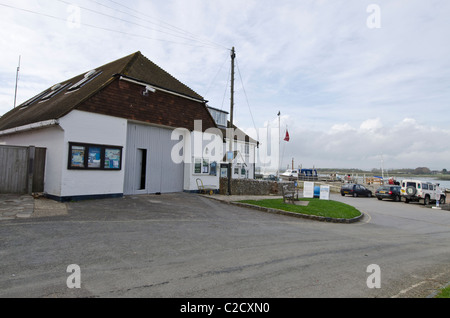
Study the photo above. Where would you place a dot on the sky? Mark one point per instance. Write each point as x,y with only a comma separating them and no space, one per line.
358,84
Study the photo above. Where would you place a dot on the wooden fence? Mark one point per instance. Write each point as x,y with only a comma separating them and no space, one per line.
22,169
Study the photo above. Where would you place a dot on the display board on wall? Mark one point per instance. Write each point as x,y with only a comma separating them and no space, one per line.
94,157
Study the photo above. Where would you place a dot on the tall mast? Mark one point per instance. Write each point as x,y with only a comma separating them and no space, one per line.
233,56
17,79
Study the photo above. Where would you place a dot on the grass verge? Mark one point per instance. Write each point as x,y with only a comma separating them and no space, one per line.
325,208
444,293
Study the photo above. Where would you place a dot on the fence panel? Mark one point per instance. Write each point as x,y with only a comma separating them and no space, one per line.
22,169
39,170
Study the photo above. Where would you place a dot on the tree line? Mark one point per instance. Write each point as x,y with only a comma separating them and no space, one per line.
418,170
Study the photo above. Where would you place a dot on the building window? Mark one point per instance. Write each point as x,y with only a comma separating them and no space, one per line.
34,99
198,166
89,76
204,166
220,117
94,157
213,169
54,91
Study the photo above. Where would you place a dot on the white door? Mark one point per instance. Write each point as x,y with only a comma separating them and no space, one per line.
149,167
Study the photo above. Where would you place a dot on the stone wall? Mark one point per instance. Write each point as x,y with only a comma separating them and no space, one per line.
253,187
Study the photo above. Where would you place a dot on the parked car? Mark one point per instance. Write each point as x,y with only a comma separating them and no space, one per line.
417,190
355,190
389,192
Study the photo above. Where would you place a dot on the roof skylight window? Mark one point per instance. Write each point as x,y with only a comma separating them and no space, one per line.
89,76
32,100
54,90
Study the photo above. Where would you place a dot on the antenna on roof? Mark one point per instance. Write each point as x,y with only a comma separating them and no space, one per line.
17,79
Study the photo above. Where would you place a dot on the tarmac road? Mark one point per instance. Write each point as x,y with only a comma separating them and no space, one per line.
185,245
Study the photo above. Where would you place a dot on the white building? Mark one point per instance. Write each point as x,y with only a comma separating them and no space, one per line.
127,127
243,148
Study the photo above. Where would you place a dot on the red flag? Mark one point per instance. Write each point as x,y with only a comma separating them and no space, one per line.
287,136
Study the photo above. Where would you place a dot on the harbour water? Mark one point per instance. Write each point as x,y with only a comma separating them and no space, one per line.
442,183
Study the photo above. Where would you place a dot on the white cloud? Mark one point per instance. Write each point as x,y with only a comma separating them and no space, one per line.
406,144
371,125
341,128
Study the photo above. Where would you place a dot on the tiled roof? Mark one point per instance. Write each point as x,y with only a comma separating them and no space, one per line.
134,66
145,70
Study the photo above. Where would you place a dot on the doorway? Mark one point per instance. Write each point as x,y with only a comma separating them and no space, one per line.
142,169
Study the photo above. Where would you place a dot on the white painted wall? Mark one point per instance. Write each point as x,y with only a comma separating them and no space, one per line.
202,145
249,159
92,128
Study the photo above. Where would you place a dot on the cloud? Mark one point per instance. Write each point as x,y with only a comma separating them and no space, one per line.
341,128
371,125
406,144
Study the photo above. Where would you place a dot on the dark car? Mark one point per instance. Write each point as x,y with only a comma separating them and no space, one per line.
355,190
388,192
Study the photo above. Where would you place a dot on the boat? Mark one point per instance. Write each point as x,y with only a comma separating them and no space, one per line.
300,174
290,173
308,175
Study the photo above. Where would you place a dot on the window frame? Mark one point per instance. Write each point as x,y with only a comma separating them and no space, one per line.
55,90
198,165
89,76
213,168
203,166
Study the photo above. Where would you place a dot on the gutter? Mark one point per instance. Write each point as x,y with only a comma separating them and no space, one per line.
153,89
38,125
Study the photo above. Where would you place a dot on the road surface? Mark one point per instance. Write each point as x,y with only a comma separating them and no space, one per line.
184,245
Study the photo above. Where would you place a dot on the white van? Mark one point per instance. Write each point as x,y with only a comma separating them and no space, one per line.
416,190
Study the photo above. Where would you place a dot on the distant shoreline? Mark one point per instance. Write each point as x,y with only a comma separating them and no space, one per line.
387,174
